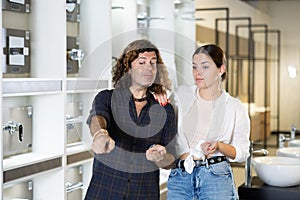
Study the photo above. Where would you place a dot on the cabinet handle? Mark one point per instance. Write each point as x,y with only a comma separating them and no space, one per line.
21,135
73,120
72,187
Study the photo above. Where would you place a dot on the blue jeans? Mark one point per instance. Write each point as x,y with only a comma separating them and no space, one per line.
213,183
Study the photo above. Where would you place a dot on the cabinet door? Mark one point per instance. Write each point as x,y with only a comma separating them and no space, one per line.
17,132
23,190
74,183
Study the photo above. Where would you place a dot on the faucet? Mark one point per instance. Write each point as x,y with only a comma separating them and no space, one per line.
283,138
248,168
293,132
12,127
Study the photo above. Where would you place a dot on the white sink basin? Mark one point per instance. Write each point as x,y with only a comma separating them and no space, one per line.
294,143
289,152
277,170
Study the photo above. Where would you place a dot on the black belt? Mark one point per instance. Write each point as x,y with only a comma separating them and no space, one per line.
210,161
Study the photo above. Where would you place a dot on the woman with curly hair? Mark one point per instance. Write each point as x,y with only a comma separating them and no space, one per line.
132,134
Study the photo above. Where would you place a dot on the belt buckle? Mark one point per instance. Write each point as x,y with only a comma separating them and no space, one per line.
179,164
206,163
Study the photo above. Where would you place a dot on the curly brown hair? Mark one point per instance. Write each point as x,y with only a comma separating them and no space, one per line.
121,77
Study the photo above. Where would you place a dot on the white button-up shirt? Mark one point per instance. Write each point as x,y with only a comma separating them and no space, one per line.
228,123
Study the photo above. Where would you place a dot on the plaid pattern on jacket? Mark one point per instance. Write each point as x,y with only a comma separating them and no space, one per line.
125,173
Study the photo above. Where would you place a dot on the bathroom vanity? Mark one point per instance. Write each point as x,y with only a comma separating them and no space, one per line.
261,191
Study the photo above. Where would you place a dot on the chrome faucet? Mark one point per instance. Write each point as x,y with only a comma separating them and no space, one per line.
282,138
248,168
293,132
12,127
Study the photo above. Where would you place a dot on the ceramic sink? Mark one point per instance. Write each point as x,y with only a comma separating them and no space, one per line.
289,152
294,143
278,170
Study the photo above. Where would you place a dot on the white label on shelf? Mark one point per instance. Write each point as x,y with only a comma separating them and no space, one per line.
18,1
16,42
26,51
16,59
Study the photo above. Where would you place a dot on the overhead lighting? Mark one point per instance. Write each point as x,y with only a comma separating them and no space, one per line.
292,71
177,1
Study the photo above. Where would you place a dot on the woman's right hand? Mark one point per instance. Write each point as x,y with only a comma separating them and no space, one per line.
102,142
162,98
209,148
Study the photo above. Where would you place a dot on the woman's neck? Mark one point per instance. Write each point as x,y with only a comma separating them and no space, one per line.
209,94
138,92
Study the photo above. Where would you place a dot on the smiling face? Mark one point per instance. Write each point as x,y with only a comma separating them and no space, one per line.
143,69
205,72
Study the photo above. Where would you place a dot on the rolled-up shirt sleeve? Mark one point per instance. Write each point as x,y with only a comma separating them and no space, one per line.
240,140
101,106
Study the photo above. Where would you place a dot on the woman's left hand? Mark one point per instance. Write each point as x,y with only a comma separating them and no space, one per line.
156,153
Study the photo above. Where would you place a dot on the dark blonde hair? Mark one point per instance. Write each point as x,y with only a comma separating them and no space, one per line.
121,77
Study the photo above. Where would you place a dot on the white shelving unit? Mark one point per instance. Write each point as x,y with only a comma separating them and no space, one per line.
48,89
105,28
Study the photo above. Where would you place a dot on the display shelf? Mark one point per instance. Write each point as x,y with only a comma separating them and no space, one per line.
78,153
85,85
32,185
78,148
30,86
49,89
79,158
38,131
22,160
29,164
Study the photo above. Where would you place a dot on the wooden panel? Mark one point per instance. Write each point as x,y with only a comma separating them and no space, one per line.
20,172
79,157
258,126
255,133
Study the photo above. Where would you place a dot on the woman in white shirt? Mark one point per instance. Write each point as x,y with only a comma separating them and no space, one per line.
213,130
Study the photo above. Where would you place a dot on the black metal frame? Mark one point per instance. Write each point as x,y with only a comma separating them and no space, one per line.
217,33
251,56
266,31
250,53
251,59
